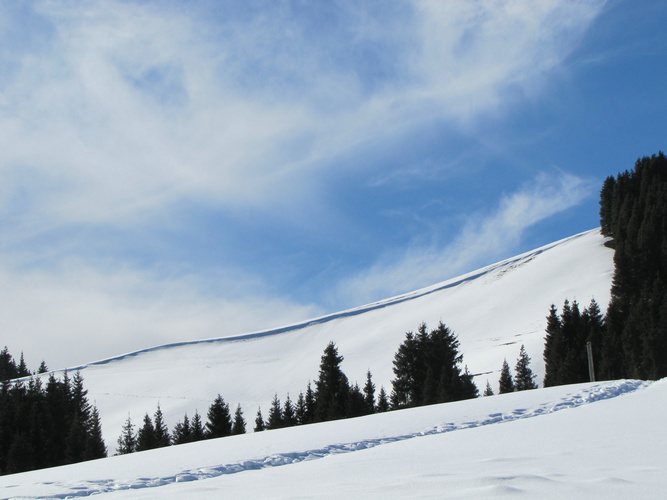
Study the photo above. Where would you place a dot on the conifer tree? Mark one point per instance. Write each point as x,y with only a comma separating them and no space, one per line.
488,391
331,386
369,394
524,375
275,414
146,435
127,442
506,384
382,403
356,403
197,431
162,437
95,446
43,368
300,411
239,422
182,431
289,414
260,425
219,419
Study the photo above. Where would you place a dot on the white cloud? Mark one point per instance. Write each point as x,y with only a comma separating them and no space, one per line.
130,108
483,239
76,313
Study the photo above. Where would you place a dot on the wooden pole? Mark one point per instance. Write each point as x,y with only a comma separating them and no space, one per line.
591,369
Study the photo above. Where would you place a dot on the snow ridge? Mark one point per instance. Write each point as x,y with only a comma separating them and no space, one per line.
586,395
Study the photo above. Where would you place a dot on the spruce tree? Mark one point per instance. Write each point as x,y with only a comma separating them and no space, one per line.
488,391
127,442
239,422
369,394
301,411
289,414
197,431
506,384
275,414
524,375
219,419
162,437
382,402
95,446
182,431
146,435
331,386
356,403
260,425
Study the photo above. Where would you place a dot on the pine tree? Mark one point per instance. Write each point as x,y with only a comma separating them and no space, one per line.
524,375
289,414
146,435
43,368
162,437
219,419
260,425
95,447
382,403
488,391
301,410
182,431
369,394
356,403
331,386
197,431
506,384
275,414
239,422
127,442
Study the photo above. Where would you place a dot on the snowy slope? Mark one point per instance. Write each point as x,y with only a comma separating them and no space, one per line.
493,311
602,440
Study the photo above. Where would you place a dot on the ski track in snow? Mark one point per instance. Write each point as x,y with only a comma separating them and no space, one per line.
588,395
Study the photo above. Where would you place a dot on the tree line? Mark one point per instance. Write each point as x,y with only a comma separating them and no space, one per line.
427,369
630,340
47,425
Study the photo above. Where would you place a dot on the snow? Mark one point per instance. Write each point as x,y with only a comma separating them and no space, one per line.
596,440
591,440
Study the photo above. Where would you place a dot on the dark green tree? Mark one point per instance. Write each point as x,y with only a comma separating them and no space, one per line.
275,414
369,394
162,437
182,431
197,430
488,391
260,425
382,402
127,442
506,384
332,387
525,379
219,419
289,414
239,422
146,435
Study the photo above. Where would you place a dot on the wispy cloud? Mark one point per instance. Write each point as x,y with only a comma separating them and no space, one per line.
77,313
127,108
117,114
483,239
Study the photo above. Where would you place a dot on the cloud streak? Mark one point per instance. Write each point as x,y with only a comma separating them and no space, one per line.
128,109
483,239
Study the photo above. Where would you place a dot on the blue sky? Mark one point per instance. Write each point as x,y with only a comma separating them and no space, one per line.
174,171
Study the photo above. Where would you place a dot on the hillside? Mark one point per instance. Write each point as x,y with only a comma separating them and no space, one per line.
493,311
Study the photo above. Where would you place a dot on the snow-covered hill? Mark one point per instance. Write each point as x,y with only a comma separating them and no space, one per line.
600,440
493,311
